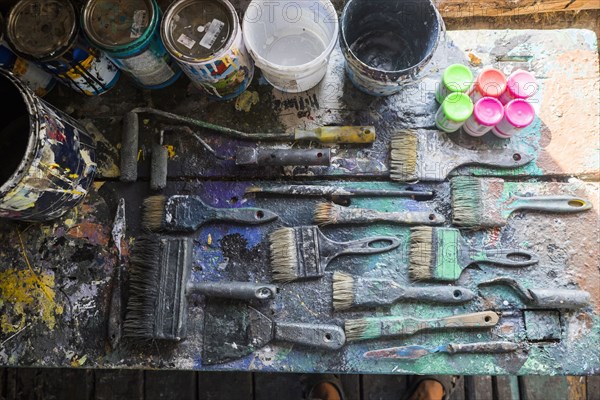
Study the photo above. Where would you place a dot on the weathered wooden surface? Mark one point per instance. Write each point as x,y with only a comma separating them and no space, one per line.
508,8
55,285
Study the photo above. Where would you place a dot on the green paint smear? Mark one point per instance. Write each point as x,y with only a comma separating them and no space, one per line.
447,261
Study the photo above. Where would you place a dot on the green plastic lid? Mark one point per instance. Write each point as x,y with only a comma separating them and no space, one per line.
457,78
458,107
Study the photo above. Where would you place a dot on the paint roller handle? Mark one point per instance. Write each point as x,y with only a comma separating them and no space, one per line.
557,204
338,134
322,336
506,257
483,347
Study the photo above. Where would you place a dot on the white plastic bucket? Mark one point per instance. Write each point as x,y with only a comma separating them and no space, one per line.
291,41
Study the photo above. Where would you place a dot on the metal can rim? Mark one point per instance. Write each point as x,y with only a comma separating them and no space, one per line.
170,46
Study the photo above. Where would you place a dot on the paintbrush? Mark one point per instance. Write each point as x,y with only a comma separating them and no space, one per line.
304,252
415,352
350,291
482,203
188,213
330,214
333,192
386,327
431,156
441,254
159,287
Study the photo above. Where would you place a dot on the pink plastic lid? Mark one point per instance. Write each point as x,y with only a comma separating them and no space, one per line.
519,113
491,82
522,84
488,111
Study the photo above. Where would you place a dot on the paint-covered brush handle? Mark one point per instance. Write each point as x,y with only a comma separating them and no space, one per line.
322,336
282,157
555,204
338,134
505,257
246,215
233,290
371,245
482,347
499,158
328,213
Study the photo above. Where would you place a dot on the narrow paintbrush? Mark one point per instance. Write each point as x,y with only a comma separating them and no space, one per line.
415,352
431,156
330,213
441,254
350,291
188,213
385,327
335,192
482,203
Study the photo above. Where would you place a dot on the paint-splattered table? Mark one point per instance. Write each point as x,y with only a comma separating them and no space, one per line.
55,278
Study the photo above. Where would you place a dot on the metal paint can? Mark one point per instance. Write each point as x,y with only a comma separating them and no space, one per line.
33,76
386,43
48,159
46,32
128,32
487,113
455,110
518,114
205,38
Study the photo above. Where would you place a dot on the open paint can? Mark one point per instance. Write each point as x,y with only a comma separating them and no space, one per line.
291,42
205,38
386,43
48,159
46,32
128,32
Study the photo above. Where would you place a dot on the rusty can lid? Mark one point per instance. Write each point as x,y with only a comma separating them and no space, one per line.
114,23
195,30
41,28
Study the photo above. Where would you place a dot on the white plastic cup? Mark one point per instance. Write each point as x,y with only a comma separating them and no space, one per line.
291,41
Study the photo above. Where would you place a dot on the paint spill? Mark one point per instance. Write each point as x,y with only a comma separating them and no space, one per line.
246,100
95,233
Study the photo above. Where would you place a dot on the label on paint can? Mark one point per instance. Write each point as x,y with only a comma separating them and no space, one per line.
38,80
93,76
214,28
140,22
148,68
186,41
473,128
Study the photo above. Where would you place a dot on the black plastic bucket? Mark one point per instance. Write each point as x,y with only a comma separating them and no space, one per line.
388,42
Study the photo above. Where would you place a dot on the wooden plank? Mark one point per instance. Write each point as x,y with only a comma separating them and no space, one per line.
351,386
535,387
478,387
507,8
224,385
459,389
67,384
593,387
3,373
383,387
170,385
10,382
278,386
505,387
577,387
122,384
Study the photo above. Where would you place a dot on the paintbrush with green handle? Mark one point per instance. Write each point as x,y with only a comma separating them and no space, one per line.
387,327
331,214
441,254
354,291
482,203
415,352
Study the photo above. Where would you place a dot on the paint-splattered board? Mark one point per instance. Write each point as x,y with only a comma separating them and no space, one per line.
54,294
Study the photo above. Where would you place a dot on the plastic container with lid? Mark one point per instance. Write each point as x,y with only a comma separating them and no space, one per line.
46,32
487,113
205,38
128,32
456,78
455,110
518,114
490,83
521,84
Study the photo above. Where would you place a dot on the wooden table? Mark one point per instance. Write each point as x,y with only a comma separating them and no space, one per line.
55,278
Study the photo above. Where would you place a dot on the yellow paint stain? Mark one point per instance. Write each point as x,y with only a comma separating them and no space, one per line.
69,222
98,185
140,154
209,239
170,151
73,176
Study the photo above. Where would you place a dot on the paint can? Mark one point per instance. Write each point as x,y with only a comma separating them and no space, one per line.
205,38
127,31
386,43
455,110
520,84
518,114
33,76
487,113
490,83
48,159
46,32
291,42
456,78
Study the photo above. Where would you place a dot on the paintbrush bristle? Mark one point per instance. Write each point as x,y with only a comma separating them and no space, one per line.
154,212
343,291
420,253
144,275
284,257
403,157
325,213
253,189
466,201
360,329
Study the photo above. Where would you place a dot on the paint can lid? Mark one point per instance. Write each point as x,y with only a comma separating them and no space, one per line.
519,113
457,78
41,28
491,83
488,111
522,84
458,107
113,23
196,30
